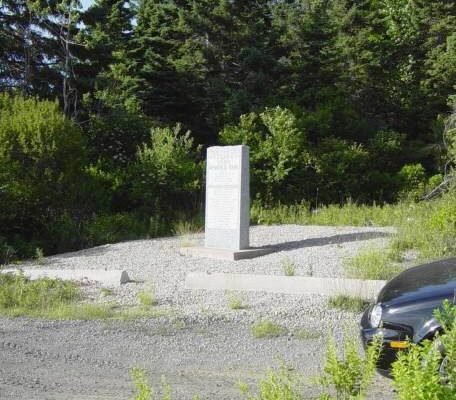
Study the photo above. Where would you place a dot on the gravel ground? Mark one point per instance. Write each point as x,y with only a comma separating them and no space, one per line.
201,346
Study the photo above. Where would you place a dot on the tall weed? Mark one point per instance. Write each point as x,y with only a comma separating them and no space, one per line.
350,375
417,372
277,385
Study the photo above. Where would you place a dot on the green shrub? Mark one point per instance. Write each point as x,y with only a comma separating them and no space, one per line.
115,137
141,383
416,371
288,267
267,329
277,385
349,375
114,228
411,176
277,149
165,177
236,302
338,163
42,157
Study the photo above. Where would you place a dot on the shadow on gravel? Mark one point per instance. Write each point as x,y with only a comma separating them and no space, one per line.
90,252
323,241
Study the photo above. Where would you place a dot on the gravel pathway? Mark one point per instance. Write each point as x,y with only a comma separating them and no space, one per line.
200,345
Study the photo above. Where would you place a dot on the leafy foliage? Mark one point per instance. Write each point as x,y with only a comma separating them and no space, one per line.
42,158
281,384
165,175
350,375
338,100
417,371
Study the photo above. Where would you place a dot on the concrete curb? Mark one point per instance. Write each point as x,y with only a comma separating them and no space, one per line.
106,278
284,284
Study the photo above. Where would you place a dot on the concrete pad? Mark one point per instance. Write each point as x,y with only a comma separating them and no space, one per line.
106,278
224,254
284,284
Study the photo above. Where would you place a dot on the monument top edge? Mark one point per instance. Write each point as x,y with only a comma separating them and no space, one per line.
237,146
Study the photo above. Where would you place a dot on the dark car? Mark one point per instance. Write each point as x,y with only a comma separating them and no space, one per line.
404,309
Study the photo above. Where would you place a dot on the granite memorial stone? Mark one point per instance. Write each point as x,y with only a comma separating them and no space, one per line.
227,198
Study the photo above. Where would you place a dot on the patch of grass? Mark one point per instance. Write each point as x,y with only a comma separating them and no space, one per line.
39,256
187,227
371,263
348,303
306,334
236,301
138,312
21,296
267,329
57,299
350,214
288,267
83,311
147,297
106,292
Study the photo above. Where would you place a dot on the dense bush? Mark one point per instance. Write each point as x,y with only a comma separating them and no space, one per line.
288,166
166,175
115,136
277,149
42,156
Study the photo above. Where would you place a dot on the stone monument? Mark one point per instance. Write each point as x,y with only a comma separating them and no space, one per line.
227,198
227,217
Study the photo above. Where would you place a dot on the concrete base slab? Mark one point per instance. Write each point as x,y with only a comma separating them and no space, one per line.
223,254
106,278
284,284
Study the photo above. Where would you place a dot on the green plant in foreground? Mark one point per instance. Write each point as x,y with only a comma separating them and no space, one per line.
288,267
267,329
347,303
141,383
416,371
236,302
350,375
277,385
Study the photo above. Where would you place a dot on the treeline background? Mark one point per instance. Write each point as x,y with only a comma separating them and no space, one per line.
105,112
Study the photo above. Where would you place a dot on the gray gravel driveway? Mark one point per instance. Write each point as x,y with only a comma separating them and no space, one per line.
200,346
